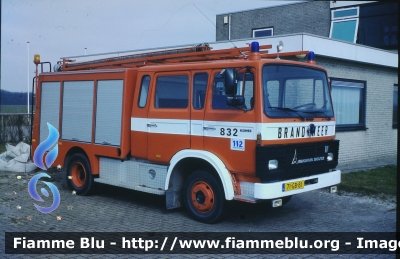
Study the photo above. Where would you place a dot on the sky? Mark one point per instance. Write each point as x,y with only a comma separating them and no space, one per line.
56,29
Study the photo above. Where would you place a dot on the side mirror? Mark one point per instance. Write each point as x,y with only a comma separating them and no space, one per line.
229,75
329,84
235,100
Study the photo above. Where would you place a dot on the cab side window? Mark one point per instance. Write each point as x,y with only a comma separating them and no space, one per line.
199,90
144,90
172,91
219,96
245,87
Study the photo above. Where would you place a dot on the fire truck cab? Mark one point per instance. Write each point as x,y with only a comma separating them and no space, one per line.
200,126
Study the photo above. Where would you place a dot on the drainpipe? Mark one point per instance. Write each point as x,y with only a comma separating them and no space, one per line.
229,28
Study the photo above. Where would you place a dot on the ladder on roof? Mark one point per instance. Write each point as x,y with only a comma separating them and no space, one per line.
200,52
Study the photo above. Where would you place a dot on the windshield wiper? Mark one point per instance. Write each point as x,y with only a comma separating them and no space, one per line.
321,112
288,110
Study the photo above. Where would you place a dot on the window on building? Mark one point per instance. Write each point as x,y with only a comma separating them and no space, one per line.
264,32
348,97
344,24
378,25
395,105
172,91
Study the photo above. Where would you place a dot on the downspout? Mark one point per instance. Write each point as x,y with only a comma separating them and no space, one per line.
229,27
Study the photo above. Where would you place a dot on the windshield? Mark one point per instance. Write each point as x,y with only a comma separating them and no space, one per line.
293,91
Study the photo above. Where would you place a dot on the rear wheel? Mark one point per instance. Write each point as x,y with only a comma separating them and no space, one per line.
204,197
80,178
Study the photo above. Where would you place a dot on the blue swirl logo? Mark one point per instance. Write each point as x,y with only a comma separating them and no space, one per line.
49,160
44,146
32,191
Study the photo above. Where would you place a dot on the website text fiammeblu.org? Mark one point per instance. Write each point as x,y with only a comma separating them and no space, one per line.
211,243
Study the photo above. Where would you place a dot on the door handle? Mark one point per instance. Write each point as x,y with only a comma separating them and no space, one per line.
208,128
151,125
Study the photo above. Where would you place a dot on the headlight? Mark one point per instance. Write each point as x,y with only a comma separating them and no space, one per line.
272,164
329,157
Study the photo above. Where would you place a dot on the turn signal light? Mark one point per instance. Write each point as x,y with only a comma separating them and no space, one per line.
258,139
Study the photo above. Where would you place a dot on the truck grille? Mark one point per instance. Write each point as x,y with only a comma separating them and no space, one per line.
295,160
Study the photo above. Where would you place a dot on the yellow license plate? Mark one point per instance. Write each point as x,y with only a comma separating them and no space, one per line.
293,186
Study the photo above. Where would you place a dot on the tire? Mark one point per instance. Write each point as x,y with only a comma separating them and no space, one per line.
204,197
79,174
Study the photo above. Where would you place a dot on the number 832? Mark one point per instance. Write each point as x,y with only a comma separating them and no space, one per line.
228,132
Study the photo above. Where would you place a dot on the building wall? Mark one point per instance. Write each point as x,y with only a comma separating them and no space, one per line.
286,19
380,139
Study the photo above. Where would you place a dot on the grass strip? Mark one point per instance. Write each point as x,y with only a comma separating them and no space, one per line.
381,180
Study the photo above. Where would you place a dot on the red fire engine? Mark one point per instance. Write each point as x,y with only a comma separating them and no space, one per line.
200,126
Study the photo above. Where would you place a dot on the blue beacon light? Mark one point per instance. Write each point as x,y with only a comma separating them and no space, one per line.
255,47
311,57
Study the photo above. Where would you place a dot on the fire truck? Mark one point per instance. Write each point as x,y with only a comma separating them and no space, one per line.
201,126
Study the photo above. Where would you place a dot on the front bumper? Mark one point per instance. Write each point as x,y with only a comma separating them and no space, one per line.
275,190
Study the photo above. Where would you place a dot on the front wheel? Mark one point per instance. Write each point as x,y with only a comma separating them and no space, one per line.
79,174
204,197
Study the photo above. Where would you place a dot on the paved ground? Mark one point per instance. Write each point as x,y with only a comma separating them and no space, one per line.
112,209
358,166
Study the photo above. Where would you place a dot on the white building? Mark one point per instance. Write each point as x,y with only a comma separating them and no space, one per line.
357,43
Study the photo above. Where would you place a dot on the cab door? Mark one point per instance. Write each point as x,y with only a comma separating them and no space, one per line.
140,109
199,90
168,123
230,132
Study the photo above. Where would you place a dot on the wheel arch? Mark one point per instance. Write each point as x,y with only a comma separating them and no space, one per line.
204,160
73,151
